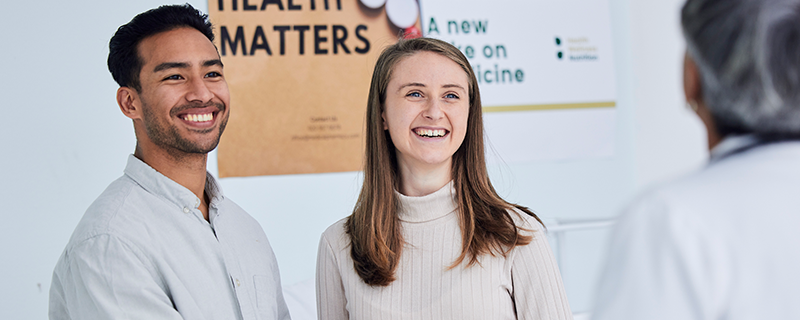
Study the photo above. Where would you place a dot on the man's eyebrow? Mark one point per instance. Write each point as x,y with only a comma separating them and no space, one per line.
215,62
170,65
183,65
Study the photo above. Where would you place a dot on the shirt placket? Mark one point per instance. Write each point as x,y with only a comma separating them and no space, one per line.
243,286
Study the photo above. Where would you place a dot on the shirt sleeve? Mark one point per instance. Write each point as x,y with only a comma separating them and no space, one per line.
331,300
658,267
538,292
106,278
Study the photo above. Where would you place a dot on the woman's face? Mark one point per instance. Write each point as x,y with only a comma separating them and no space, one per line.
426,108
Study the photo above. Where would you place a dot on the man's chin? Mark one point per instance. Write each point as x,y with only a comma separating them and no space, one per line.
202,149
207,142
184,148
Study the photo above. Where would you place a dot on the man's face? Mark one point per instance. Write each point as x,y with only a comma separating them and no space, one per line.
184,97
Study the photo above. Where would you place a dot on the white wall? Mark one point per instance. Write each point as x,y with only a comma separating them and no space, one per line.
63,140
669,138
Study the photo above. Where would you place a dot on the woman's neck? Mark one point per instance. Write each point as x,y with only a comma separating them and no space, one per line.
421,180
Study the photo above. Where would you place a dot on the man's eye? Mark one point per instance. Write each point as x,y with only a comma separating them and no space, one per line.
173,77
213,74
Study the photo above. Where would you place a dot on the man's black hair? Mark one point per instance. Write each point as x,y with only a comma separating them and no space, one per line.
124,60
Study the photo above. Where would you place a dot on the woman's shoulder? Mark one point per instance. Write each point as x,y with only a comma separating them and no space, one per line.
537,246
525,221
336,234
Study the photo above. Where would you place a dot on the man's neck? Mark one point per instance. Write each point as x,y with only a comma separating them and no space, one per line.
188,170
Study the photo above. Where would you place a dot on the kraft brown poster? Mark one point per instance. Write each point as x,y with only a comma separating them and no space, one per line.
299,74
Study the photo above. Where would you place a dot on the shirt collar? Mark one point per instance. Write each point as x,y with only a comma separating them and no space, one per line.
158,184
731,145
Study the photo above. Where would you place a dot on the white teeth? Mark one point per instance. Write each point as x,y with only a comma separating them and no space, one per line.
199,117
430,133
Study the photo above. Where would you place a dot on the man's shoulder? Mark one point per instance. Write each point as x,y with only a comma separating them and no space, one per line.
239,216
112,211
104,223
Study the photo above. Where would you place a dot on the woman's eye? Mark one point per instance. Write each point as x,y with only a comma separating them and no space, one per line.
451,96
415,94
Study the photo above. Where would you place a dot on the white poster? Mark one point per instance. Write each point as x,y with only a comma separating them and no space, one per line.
545,70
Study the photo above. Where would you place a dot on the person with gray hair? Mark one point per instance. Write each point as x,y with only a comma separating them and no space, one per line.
721,243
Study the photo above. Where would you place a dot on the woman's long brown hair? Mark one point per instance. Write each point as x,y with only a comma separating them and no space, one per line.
374,228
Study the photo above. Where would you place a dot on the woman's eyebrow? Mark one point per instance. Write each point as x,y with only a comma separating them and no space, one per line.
453,85
411,84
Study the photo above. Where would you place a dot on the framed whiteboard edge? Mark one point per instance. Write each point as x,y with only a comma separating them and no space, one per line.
557,106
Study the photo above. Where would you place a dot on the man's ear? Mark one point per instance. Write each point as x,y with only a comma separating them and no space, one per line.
691,81
129,102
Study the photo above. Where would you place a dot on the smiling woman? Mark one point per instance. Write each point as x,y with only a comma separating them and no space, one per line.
425,112
429,237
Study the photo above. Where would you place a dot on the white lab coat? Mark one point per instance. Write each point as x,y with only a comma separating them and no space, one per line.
722,243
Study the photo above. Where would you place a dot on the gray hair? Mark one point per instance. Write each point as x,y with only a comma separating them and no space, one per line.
748,56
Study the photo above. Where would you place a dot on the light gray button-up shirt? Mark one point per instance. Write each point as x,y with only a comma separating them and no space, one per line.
144,251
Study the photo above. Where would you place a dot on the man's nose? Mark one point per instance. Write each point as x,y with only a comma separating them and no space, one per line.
199,91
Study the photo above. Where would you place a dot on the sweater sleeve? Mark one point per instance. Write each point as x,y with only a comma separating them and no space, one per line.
538,292
331,300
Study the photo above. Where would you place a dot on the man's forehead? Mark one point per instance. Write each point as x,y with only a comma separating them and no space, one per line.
183,45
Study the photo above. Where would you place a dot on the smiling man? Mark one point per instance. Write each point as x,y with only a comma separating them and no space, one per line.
162,241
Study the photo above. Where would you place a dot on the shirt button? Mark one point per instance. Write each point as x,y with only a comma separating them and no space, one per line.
238,284
196,203
186,210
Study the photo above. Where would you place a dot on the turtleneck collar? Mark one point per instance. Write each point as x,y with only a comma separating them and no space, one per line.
429,207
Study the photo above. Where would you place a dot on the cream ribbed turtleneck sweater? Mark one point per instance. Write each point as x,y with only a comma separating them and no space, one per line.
525,284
